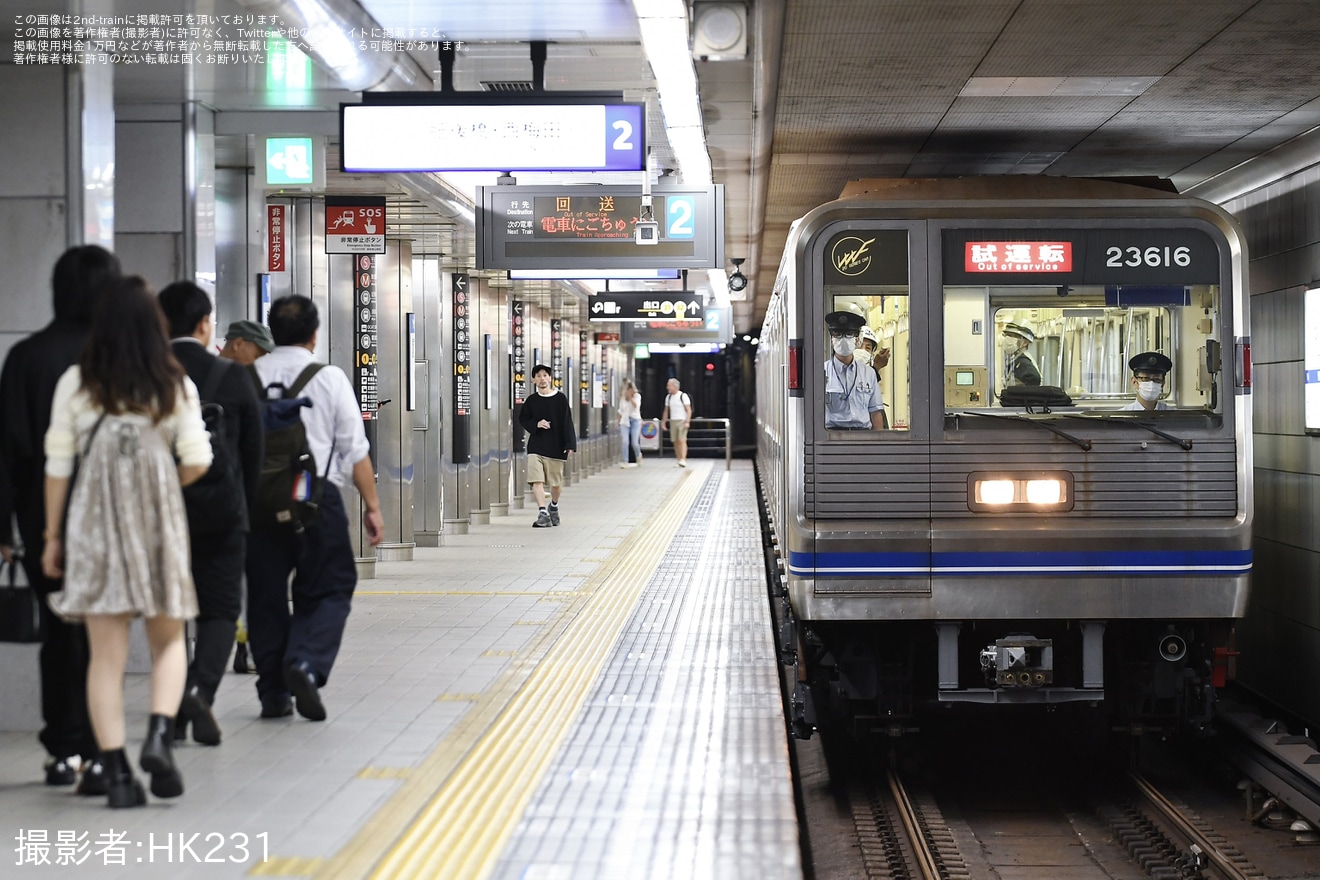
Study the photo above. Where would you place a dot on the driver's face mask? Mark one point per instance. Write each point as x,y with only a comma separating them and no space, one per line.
1149,391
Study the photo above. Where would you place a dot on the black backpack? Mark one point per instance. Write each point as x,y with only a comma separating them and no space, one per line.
215,502
289,489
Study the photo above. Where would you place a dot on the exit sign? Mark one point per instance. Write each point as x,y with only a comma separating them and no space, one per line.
294,162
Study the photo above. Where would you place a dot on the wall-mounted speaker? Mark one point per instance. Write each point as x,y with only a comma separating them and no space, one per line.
719,31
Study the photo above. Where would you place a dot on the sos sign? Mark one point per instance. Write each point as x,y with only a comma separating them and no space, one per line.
354,224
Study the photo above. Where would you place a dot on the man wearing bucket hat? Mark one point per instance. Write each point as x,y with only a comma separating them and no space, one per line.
1018,366
1150,369
852,388
245,341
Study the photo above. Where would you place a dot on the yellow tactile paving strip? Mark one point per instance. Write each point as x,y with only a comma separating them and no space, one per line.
453,814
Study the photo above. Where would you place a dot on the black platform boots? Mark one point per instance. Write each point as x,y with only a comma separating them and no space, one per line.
158,757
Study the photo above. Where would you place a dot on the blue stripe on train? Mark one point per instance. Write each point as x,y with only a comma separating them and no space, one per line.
974,564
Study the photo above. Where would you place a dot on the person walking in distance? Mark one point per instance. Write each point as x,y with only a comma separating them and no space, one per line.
117,533
676,416
217,504
81,277
294,653
547,417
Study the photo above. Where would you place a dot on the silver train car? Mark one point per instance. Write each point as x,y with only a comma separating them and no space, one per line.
1080,536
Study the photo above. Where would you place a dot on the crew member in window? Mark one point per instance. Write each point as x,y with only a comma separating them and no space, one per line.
1019,369
1149,370
869,350
852,388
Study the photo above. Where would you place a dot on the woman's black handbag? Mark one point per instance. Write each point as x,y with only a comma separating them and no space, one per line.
20,610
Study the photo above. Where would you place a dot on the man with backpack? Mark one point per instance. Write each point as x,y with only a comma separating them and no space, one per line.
676,416
314,435
217,504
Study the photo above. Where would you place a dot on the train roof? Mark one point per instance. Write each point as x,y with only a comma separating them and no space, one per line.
1009,187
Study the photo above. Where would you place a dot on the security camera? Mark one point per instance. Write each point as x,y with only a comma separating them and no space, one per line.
737,281
647,232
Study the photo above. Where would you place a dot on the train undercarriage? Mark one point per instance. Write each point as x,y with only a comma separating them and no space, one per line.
879,678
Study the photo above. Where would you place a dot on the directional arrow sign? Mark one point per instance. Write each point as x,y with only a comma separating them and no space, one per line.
671,305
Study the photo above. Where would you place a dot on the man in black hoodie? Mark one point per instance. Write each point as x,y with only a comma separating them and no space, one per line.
27,386
547,417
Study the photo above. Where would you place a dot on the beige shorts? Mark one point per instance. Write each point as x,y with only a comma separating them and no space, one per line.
545,470
677,430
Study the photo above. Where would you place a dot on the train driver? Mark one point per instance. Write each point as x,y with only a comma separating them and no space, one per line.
852,388
1019,369
1149,370
869,350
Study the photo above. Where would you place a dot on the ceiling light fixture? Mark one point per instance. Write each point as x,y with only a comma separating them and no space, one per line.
664,28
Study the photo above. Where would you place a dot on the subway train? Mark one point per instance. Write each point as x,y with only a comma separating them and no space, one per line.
1024,522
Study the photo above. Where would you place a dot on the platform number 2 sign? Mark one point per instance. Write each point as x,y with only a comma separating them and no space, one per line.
680,213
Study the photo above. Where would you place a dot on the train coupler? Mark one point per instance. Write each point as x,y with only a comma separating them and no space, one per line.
1019,661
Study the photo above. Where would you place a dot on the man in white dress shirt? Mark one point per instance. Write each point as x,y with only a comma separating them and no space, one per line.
295,652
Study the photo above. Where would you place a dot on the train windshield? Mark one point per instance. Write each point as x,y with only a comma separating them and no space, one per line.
1122,320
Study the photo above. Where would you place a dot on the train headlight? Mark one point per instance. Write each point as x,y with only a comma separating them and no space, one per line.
1044,491
1019,492
996,491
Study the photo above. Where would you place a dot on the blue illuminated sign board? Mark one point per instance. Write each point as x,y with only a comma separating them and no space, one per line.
531,135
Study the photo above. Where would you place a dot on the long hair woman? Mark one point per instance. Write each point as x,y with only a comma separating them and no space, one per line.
630,423
126,412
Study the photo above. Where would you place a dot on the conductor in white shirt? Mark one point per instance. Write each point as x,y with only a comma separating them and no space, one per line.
852,389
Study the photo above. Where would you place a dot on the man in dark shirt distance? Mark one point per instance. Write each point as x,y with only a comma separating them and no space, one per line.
547,417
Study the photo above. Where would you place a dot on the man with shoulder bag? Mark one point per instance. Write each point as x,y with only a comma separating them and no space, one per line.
217,504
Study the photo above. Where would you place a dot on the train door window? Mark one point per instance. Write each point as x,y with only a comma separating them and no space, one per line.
867,332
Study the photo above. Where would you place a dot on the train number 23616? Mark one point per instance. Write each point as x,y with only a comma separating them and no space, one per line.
1151,256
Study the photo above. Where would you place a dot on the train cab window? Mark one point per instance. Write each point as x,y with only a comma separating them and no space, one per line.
1074,344
866,334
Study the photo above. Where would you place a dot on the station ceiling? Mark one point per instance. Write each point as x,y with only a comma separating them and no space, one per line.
834,90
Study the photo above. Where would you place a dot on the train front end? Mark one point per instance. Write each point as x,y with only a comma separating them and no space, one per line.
1054,506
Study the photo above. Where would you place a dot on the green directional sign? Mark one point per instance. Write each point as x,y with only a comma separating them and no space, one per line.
291,161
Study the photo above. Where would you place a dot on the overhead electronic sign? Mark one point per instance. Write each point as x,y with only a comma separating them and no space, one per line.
665,305
593,274
714,325
595,227
439,132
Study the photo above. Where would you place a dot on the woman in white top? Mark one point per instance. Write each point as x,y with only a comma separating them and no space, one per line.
128,413
630,423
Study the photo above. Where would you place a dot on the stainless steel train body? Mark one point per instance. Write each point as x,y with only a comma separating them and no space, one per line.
1056,546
